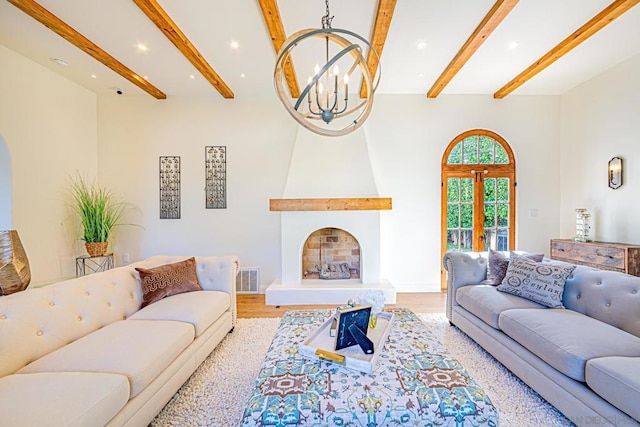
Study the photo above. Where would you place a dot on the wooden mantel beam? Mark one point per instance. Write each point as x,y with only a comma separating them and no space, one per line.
337,204
55,24
490,22
595,24
163,21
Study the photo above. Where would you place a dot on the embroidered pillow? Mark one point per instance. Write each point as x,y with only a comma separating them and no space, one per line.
536,281
167,280
498,263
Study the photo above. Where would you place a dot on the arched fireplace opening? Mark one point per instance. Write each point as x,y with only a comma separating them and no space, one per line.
330,254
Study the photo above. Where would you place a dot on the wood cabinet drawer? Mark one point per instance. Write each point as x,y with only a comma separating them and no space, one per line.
600,256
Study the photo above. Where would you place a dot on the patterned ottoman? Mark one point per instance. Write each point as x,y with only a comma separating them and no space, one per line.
415,383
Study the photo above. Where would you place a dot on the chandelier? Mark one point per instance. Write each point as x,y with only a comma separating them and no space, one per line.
324,106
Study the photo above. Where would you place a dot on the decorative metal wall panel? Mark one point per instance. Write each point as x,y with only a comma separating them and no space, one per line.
169,187
216,177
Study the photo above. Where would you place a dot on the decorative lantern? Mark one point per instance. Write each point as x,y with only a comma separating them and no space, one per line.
583,226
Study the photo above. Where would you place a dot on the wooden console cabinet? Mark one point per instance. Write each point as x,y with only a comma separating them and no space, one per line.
603,255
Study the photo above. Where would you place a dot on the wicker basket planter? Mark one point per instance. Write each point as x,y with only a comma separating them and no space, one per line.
96,248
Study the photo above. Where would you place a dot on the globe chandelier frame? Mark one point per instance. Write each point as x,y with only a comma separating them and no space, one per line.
326,106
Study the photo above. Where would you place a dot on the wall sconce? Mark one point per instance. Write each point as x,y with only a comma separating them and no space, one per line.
615,173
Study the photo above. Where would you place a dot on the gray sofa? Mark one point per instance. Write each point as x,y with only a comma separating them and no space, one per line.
584,360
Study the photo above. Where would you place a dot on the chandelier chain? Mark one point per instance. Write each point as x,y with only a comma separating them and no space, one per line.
326,19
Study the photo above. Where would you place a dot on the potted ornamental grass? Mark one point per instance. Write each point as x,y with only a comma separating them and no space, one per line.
99,212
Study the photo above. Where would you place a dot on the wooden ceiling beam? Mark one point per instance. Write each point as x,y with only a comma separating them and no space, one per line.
49,20
271,15
378,38
490,22
595,24
163,21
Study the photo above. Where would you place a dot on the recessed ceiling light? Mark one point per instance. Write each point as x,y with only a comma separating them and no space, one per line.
60,62
421,44
141,47
145,77
93,76
191,76
419,74
234,44
514,44
242,75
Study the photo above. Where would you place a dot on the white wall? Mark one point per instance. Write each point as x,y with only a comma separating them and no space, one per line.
600,121
406,136
259,136
5,187
49,127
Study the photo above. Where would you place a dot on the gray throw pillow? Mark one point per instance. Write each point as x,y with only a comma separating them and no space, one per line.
498,263
536,281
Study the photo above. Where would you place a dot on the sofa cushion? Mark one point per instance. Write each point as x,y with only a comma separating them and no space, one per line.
61,398
487,303
609,296
200,308
566,339
40,320
539,282
138,349
617,380
166,280
498,263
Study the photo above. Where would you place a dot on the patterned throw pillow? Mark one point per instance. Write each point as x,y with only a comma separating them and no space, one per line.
167,280
537,281
498,263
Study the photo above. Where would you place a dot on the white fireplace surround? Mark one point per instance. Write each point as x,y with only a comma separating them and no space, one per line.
345,171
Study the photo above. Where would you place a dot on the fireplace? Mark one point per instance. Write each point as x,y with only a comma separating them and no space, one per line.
330,254
334,196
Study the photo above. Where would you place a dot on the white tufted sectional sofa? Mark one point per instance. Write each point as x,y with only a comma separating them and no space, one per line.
82,352
585,359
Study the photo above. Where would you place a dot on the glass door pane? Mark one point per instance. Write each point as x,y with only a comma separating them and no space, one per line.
496,214
459,214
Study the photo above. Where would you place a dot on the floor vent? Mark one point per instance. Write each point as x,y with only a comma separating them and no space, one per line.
248,280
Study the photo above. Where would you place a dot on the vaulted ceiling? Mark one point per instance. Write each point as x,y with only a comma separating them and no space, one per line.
427,47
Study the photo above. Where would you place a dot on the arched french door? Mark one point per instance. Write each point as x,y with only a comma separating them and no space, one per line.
478,194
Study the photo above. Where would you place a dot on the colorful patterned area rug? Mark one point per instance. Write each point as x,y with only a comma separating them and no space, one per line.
219,391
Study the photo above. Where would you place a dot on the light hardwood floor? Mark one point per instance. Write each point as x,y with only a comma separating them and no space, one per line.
252,305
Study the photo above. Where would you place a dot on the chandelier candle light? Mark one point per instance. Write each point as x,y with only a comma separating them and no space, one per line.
328,102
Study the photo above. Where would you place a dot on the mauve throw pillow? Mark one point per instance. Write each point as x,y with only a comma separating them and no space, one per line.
498,263
167,280
537,281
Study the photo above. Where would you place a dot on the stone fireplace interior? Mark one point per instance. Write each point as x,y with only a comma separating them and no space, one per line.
330,254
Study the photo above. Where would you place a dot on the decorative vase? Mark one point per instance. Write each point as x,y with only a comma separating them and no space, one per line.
15,273
96,248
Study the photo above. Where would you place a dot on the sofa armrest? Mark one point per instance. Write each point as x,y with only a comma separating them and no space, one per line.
463,268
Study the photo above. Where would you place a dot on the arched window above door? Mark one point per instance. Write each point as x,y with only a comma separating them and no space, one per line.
478,147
